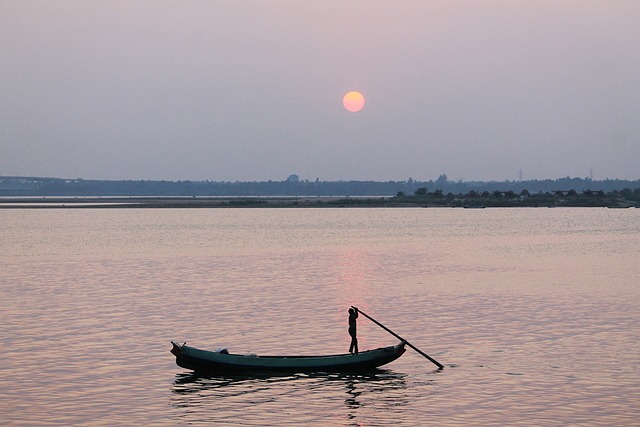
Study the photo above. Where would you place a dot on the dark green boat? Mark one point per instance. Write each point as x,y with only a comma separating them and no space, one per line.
222,362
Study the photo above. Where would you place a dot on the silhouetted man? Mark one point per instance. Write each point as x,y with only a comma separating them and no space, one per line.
353,315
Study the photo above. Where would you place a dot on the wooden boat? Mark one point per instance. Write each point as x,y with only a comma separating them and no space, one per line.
222,362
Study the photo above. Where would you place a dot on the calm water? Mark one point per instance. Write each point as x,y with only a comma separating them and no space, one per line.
534,312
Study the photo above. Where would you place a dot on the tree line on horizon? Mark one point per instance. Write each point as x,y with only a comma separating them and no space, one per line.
588,198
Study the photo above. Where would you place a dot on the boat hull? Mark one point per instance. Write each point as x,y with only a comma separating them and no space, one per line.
209,361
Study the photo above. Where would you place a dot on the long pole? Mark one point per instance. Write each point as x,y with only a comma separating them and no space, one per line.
431,359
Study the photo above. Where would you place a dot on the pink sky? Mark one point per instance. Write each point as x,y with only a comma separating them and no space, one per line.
252,90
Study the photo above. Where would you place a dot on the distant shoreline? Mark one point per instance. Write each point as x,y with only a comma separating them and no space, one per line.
294,187
427,201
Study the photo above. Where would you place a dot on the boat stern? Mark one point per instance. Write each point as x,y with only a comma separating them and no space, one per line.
399,348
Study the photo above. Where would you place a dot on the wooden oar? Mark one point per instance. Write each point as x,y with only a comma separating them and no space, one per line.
431,359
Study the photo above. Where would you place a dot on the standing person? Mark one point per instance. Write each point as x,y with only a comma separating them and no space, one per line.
353,315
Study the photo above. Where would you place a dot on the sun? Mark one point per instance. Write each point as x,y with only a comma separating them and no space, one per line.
353,101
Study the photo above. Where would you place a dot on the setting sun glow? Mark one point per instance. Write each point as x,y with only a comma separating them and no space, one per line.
353,101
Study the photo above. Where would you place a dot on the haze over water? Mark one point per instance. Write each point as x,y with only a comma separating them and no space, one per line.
534,313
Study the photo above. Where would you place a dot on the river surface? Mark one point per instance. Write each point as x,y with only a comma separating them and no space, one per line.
535,314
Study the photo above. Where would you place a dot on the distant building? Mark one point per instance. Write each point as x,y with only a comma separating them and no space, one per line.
293,178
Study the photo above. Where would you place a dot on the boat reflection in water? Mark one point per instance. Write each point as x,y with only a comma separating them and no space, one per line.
338,398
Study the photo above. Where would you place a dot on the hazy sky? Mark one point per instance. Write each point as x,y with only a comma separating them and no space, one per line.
252,89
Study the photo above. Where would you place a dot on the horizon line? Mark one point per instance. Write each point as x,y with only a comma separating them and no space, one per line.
410,179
